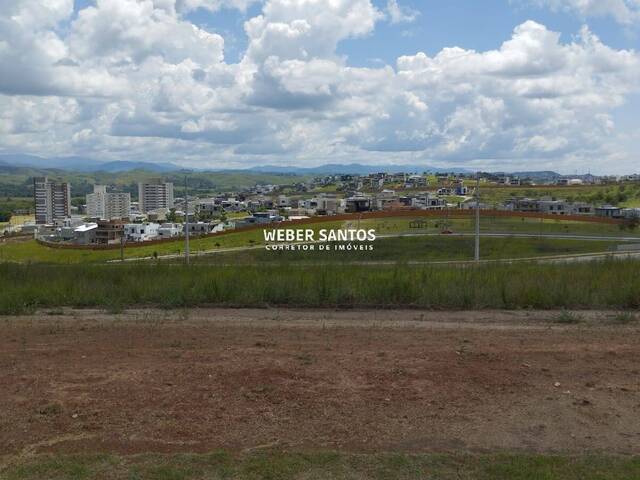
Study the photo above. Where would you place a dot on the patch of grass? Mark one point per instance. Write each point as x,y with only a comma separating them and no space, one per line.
568,318
50,409
450,248
327,466
599,284
624,318
421,248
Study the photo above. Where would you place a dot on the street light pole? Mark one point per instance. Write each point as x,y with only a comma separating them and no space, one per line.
186,221
477,253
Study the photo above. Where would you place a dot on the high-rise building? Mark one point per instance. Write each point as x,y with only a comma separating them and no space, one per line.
153,196
108,206
52,200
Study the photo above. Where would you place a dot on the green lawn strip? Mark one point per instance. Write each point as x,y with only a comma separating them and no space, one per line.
31,251
325,466
603,284
422,248
493,224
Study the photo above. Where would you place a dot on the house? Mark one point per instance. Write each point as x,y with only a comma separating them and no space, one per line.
509,181
357,204
283,201
170,230
386,199
415,181
581,208
429,202
109,232
461,189
141,232
523,205
200,228
210,207
85,234
554,207
630,212
608,211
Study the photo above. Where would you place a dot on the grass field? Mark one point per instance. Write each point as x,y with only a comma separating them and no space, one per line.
627,195
493,224
325,466
422,249
603,284
31,251
402,249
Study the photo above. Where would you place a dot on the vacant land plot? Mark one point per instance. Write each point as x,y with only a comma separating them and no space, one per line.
445,392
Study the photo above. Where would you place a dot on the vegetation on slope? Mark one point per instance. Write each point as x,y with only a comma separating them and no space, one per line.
18,181
604,284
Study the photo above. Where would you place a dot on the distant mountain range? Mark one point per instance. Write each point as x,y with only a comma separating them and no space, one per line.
354,169
80,164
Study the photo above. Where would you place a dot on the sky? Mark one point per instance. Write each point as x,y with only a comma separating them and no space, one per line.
494,85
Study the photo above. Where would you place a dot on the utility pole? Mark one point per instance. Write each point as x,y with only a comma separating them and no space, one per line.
186,221
477,255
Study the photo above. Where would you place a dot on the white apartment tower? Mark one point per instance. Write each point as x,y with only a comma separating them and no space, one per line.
108,206
153,196
52,200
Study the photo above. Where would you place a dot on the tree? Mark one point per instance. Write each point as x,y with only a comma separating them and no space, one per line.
5,215
171,216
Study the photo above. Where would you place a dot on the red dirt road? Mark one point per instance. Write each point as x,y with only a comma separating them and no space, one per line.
199,380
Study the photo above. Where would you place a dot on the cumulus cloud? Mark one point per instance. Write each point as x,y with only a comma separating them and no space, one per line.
215,5
626,12
398,14
136,79
306,29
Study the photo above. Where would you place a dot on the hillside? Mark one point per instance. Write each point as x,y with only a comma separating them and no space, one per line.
17,181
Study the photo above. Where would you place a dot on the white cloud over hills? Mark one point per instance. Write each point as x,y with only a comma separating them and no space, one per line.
134,79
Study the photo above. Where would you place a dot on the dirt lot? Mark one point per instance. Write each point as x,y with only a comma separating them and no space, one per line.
361,381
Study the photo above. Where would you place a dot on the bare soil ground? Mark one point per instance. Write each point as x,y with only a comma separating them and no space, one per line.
197,380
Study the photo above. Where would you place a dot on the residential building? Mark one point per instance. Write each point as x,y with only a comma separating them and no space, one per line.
428,202
357,204
109,231
141,232
554,207
153,196
170,230
609,211
85,234
200,228
582,208
461,189
52,200
108,206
